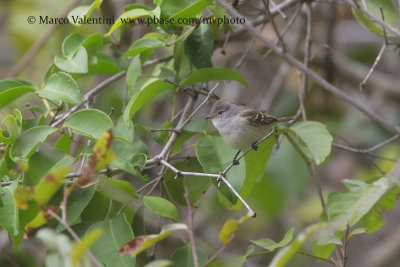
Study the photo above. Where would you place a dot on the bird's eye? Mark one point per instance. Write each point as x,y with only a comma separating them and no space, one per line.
220,112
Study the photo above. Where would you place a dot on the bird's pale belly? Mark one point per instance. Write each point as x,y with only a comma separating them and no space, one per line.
240,139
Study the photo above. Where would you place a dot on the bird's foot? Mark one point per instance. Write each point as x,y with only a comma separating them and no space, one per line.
235,162
254,146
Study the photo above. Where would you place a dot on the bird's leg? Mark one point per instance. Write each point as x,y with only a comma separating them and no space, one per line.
254,146
235,161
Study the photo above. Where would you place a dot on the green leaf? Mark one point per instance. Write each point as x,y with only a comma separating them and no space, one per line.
184,257
133,72
71,44
61,87
129,16
322,251
11,89
348,207
255,165
159,263
92,43
199,46
161,206
357,231
214,156
311,139
271,245
63,144
372,221
123,131
91,123
77,202
143,45
326,239
43,161
214,74
13,127
127,158
118,190
147,93
26,144
389,10
182,64
117,232
78,15
77,64
9,219
143,242
190,11
284,255
196,185
101,63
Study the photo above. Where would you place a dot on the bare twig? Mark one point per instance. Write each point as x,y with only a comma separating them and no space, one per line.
73,234
219,251
164,130
379,56
191,228
371,70
307,51
271,18
363,151
316,77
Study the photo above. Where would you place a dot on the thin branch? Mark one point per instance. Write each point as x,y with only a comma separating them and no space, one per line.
307,52
88,96
271,18
283,15
379,56
274,12
286,29
183,120
243,56
35,48
74,235
367,152
191,230
200,92
164,130
219,251
371,70
315,76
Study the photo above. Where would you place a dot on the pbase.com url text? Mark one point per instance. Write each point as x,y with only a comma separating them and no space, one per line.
186,21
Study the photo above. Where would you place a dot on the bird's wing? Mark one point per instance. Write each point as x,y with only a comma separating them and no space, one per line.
257,118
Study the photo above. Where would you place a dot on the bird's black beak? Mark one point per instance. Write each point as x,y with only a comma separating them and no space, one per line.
210,117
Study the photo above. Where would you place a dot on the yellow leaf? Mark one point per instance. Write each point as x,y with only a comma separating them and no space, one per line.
102,152
229,228
49,185
21,197
80,248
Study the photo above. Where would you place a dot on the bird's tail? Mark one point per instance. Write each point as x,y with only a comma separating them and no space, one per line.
284,119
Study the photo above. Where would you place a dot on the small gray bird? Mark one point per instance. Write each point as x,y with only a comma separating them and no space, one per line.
241,126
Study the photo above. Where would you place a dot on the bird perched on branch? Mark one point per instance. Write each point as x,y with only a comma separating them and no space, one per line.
241,126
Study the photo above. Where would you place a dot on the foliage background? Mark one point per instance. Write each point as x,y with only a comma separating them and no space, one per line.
284,195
